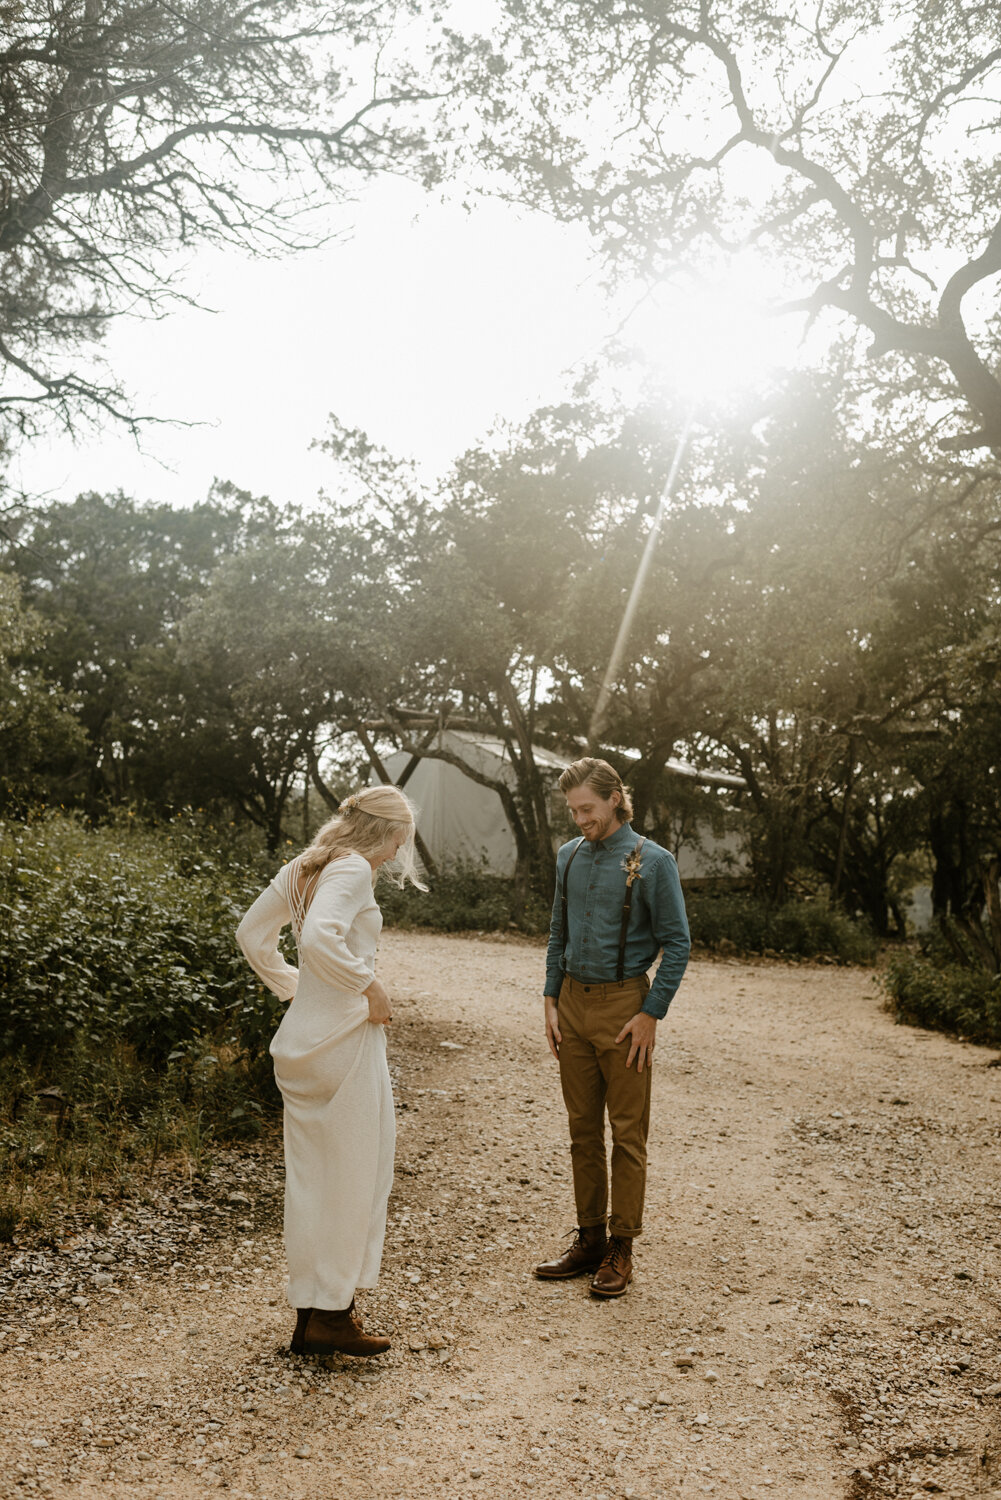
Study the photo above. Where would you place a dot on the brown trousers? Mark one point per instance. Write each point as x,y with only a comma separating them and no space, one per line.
594,1076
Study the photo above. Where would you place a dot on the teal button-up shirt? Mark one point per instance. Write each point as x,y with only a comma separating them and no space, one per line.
595,894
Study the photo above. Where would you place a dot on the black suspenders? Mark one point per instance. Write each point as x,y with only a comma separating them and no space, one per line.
626,908
566,876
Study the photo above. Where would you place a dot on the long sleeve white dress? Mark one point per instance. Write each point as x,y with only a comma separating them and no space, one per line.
330,1064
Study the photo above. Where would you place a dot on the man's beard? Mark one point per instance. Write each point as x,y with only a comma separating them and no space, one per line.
602,830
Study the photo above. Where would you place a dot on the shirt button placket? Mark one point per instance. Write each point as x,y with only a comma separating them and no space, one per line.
587,914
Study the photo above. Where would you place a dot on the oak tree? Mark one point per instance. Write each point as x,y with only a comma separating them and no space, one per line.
853,147
135,133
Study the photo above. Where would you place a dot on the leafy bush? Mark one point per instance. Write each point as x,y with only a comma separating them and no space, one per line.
115,937
462,899
807,929
945,997
466,899
131,1027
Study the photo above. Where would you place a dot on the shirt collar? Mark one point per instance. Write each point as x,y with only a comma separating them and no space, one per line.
623,838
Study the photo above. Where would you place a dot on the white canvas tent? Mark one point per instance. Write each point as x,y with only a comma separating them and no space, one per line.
458,818
461,820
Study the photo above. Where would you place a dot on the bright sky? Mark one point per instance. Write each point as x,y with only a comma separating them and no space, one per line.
422,330
423,327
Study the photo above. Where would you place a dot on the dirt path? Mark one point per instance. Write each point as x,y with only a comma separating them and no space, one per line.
822,1244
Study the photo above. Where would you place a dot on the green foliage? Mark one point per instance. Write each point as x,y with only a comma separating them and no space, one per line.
37,730
131,1028
288,640
806,929
108,581
123,936
945,997
463,899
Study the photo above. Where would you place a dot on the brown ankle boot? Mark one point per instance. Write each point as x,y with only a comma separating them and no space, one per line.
616,1269
585,1254
301,1319
329,1332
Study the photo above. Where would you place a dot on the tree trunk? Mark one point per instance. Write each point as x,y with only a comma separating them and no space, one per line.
645,777
273,829
533,792
839,857
991,871
947,841
313,765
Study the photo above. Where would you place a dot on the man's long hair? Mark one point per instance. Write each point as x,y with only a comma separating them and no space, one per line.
604,778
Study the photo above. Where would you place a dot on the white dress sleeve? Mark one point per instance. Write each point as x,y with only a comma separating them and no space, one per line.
343,890
257,935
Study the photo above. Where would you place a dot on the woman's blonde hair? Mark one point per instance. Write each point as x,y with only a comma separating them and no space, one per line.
362,825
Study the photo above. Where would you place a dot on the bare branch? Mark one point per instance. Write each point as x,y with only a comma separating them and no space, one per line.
130,129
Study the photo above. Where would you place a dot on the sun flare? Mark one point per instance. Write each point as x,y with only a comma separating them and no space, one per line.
715,339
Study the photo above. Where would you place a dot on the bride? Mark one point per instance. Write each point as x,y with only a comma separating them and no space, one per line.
330,1060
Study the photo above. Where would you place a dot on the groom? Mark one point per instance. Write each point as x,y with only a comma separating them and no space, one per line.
618,903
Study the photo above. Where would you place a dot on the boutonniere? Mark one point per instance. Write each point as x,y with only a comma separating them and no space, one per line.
633,867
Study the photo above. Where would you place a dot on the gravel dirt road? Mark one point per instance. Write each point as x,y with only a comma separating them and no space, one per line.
814,1312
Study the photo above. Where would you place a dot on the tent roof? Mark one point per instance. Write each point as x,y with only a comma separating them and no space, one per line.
491,746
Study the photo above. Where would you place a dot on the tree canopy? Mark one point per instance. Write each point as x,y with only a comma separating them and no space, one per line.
852,147
820,612
136,133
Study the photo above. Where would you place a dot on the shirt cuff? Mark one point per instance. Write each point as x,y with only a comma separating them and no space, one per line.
656,1004
554,982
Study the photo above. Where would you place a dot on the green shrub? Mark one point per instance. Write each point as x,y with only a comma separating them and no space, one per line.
945,997
124,937
462,899
806,929
131,1027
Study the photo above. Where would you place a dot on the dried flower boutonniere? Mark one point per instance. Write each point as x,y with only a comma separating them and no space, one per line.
633,867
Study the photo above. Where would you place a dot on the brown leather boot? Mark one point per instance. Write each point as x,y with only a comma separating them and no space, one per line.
585,1254
301,1319
329,1332
616,1270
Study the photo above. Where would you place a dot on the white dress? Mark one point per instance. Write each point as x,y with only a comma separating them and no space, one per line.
330,1064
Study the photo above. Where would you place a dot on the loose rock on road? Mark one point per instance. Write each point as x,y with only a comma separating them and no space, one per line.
814,1312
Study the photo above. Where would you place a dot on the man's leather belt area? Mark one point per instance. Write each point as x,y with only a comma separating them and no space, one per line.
630,980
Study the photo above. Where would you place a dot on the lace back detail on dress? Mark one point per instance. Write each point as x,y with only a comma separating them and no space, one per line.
300,894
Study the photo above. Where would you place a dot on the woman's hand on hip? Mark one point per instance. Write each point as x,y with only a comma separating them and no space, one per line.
380,1010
